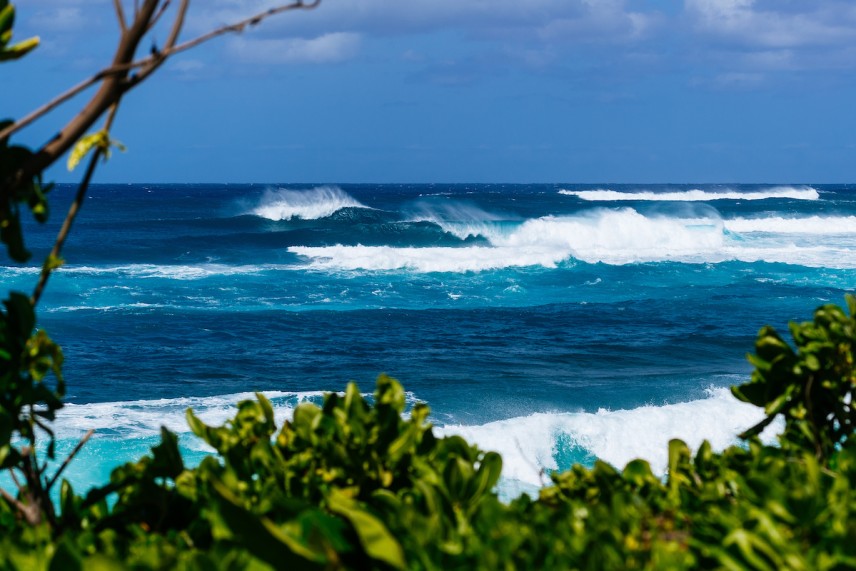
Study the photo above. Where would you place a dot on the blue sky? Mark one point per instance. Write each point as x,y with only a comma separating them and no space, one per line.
474,91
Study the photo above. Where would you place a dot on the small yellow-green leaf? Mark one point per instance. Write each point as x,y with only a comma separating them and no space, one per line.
86,144
20,49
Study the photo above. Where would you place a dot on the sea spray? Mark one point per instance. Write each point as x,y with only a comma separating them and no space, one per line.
312,204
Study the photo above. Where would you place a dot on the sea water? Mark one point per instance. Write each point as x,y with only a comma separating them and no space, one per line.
552,323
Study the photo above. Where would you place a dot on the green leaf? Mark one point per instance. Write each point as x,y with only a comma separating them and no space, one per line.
98,140
167,459
260,536
375,538
66,558
7,20
19,50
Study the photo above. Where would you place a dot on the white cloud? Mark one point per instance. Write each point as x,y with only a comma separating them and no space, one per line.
327,48
608,19
775,24
62,19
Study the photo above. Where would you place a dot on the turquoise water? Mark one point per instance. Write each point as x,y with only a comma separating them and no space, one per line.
553,323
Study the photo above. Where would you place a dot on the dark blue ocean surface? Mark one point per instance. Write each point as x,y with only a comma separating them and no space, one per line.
554,323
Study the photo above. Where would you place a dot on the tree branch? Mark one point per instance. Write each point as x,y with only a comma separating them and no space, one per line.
115,81
47,268
112,88
120,15
159,13
68,459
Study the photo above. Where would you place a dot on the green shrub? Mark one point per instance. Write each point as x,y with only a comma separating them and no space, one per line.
354,484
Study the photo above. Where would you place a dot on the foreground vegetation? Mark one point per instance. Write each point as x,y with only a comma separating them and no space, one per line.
356,484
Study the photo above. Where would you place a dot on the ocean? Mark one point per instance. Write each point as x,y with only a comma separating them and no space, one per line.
553,323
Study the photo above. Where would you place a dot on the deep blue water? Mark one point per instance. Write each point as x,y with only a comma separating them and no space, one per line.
554,323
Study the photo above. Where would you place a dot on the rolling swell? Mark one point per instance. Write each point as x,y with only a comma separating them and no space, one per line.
578,329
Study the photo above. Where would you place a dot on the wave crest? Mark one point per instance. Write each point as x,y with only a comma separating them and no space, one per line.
695,195
312,204
553,441
818,225
609,236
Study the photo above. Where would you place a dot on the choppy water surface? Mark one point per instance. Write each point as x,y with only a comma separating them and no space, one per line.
553,323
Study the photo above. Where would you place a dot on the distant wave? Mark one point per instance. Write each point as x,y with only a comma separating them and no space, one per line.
550,441
614,237
320,202
695,195
819,225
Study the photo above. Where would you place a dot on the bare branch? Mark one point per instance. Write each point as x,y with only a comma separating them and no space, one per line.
15,480
118,69
111,90
159,13
25,510
71,215
120,15
152,62
177,24
240,26
68,459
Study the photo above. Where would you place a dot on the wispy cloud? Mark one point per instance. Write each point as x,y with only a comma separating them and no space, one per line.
775,24
327,48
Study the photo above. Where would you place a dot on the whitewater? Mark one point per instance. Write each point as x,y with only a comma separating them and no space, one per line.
552,323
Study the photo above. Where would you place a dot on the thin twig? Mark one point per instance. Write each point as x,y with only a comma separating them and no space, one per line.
177,25
149,61
68,459
158,15
152,62
71,215
14,501
120,15
240,26
15,480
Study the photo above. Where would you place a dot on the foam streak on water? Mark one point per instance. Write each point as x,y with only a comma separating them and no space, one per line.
695,195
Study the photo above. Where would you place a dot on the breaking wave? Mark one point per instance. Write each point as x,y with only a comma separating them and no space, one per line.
529,445
320,202
614,237
554,441
696,195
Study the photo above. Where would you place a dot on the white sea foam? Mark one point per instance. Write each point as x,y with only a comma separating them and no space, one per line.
530,444
695,195
425,260
320,202
610,236
167,271
817,225
143,418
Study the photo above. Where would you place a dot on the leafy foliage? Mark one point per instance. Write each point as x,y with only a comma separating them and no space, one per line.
362,483
814,386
